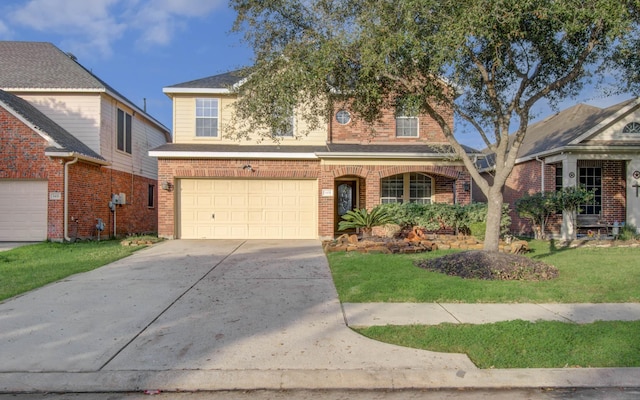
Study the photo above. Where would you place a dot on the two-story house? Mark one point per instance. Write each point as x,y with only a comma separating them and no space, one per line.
73,151
301,185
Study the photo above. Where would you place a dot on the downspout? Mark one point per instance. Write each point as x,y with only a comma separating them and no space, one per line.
66,198
541,173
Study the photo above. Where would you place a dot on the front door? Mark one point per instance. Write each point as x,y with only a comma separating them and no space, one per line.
346,200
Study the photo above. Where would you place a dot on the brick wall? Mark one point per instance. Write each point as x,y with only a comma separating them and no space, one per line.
368,177
526,179
90,191
90,186
385,131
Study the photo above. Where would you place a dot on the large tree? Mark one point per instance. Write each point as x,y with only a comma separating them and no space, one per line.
488,60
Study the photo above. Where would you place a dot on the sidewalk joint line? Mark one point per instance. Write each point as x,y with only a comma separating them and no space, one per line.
169,306
449,312
556,313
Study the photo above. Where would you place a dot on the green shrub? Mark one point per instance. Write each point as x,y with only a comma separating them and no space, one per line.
362,219
437,216
628,232
478,229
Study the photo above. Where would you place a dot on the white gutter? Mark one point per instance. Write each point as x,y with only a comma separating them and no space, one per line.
73,154
541,174
66,198
238,154
386,155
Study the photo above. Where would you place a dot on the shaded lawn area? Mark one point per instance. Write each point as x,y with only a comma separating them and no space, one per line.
28,267
586,275
523,344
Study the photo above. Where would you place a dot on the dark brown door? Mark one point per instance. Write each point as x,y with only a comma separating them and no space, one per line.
346,200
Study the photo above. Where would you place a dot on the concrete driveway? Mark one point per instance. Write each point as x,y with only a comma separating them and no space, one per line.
202,315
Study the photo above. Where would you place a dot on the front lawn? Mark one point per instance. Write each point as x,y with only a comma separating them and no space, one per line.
586,275
28,267
523,344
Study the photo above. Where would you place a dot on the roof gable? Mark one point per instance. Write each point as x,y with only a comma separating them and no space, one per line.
33,66
221,83
60,140
569,127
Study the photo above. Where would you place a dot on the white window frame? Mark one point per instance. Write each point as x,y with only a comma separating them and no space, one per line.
289,134
205,110
407,189
631,128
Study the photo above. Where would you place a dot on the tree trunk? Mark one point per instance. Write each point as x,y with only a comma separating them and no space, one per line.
494,215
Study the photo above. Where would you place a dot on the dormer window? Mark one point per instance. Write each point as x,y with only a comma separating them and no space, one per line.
633,127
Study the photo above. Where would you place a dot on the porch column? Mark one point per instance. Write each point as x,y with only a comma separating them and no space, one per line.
569,179
633,192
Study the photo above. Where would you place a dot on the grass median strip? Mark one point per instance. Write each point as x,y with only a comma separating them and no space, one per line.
523,344
586,275
28,267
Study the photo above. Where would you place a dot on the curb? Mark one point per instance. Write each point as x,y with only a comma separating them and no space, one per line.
217,380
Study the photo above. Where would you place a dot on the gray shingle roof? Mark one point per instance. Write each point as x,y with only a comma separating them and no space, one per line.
37,65
563,127
221,81
65,141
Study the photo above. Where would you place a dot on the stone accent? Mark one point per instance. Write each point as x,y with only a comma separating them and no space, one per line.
417,244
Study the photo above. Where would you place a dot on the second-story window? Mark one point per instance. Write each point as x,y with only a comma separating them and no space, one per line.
406,120
285,121
124,131
207,117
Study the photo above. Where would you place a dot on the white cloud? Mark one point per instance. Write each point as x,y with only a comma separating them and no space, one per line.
87,25
92,28
159,20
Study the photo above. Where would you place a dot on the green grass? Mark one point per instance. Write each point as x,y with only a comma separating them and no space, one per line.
28,267
523,344
587,275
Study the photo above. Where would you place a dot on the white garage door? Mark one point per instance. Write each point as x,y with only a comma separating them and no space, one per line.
248,209
23,211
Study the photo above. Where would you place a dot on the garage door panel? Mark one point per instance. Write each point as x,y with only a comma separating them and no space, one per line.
246,209
23,210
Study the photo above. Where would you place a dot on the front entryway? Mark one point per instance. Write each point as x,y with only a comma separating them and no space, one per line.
346,199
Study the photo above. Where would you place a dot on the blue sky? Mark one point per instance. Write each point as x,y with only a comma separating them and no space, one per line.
141,46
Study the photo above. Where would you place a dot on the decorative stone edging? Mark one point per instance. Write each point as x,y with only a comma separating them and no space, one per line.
428,242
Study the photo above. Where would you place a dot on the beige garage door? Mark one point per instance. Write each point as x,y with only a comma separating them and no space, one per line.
23,211
248,209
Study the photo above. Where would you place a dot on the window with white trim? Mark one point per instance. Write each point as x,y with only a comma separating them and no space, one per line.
124,138
410,187
591,179
406,120
207,117
285,131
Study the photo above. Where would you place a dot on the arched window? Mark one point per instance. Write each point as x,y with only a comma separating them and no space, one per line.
410,187
633,127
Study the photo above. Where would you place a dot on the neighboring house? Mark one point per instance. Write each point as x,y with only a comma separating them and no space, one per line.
68,143
298,188
596,148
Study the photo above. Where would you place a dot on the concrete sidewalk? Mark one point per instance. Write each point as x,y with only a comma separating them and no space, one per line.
226,315
373,314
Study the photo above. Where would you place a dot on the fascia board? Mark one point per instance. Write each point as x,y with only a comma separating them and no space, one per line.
170,90
238,154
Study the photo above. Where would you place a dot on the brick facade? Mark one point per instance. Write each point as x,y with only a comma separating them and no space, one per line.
526,178
368,176
385,130
22,156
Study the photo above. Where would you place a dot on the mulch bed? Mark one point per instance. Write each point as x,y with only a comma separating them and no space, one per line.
477,264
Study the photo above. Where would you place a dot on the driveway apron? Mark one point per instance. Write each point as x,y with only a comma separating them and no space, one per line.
198,305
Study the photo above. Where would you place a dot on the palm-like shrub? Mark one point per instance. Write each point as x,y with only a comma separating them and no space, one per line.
365,220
